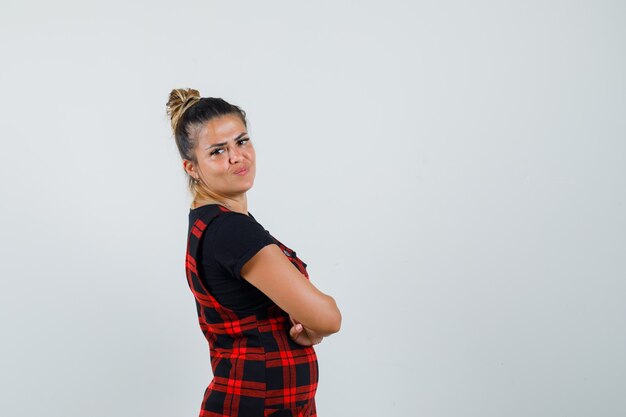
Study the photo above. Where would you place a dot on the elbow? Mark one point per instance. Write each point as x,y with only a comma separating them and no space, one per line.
332,318
323,318
336,324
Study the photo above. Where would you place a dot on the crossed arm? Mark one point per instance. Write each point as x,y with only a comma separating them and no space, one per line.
313,314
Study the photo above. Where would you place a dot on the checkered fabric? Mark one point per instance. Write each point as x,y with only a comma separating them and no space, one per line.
258,371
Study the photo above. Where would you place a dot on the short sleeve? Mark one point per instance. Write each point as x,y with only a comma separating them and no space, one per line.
237,238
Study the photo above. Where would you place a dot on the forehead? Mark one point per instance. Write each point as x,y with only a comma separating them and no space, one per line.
221,129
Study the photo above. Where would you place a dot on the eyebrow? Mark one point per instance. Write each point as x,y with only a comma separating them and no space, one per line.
224,143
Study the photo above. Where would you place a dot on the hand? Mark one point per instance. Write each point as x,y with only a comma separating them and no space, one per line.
303,336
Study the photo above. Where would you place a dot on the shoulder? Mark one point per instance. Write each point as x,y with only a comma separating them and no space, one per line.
230,221
236,231
234,239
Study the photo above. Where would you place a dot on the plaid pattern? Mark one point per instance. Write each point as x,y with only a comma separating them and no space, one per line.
257,369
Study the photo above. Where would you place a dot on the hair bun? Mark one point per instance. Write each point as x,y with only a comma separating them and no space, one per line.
180,100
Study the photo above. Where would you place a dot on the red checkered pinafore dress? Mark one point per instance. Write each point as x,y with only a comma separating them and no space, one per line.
258,371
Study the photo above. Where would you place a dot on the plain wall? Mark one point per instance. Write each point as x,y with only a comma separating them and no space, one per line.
452,172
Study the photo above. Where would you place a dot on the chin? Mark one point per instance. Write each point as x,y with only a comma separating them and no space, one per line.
247,186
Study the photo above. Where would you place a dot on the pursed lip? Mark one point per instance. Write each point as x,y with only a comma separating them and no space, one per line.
241,170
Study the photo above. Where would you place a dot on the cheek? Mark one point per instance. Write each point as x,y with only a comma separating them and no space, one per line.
215,168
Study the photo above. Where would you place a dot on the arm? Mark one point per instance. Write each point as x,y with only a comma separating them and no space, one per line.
272,273
303,336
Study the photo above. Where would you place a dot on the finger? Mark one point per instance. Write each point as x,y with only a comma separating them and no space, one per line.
295,330
302,340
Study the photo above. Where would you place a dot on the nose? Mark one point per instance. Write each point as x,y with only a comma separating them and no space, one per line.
234,154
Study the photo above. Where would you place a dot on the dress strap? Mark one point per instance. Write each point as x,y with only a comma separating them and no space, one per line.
196,231
199,226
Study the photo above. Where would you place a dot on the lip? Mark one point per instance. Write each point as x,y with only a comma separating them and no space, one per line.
242,171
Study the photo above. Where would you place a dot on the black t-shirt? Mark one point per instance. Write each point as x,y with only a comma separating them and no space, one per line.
229,241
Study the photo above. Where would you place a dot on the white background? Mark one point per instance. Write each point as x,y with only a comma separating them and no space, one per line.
452,172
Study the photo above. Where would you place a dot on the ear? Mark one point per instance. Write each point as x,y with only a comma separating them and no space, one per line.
190,168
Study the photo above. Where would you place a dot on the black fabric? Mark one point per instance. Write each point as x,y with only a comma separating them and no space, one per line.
227,244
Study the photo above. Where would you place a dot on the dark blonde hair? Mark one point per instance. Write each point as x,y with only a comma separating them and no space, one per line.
188,113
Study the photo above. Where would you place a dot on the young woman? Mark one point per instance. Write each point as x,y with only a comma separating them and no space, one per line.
256,306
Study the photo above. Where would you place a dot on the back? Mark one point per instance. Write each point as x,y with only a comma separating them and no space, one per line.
258,370
229,242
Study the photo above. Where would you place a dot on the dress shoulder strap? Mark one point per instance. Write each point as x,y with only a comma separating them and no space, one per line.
199,226
196,231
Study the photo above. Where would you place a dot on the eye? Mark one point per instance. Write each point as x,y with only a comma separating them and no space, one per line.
243,141
216,151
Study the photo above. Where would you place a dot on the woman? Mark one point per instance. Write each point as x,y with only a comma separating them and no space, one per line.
256,306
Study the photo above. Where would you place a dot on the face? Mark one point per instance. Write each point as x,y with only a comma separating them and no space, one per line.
225,157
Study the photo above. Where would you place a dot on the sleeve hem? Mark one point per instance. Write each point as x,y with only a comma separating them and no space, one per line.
248,255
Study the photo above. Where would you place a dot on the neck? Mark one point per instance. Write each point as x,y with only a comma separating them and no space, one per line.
238,204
